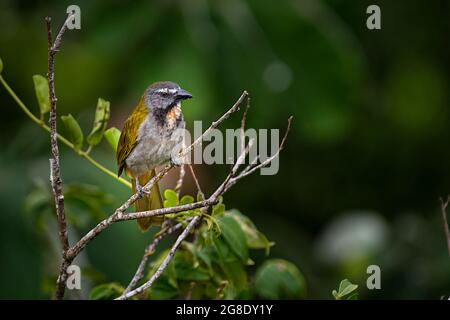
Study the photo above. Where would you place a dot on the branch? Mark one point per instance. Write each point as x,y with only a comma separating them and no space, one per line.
148,252
215,124
57,43
151,248
444,206
253,167
180,180
55,172
197,184
164,264
83,242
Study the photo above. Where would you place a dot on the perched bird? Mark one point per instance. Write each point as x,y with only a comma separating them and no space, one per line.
146,141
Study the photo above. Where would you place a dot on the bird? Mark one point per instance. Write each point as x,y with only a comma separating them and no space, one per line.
146,142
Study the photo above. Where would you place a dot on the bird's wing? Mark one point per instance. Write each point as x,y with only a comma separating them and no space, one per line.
129,136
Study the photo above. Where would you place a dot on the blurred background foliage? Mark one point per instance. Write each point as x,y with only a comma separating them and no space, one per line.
365,164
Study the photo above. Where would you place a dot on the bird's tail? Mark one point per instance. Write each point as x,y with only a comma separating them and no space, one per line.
150,202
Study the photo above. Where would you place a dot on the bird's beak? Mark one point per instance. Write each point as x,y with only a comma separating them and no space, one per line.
183,94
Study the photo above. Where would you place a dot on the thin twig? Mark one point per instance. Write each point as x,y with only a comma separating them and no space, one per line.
57,43
55,172
243,123
165,262
151,248
94,232
215,124
252,169
148,252
444,206
180,180
197,184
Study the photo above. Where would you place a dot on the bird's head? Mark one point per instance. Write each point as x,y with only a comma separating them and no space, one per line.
165,95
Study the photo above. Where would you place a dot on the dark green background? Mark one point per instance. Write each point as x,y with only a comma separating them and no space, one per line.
365,164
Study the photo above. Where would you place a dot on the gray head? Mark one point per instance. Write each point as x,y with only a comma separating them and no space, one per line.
164,95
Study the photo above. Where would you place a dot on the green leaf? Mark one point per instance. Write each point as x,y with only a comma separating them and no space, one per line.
205,254
75,133
279,279
212,225
335,294
100,122
187,200
42,95
218,209
112,135
223,250
107,291
345,288
1,65
234,236
255,239
171,198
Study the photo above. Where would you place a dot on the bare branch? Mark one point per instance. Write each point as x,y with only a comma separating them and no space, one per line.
243,123
444,206
57,42
148,252
253,168
215,124
55,172
180,180
165,262
197,184
151,248
82,243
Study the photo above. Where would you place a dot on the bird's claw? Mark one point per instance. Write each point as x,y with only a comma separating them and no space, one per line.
141,192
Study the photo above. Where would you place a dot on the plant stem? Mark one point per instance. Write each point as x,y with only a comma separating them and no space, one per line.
69,144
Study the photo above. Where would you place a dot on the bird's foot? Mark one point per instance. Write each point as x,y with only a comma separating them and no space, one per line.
140,191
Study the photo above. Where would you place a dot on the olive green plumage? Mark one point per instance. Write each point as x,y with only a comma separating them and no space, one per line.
127,142
128,137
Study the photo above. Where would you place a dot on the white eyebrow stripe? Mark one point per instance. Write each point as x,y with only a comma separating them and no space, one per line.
166,90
